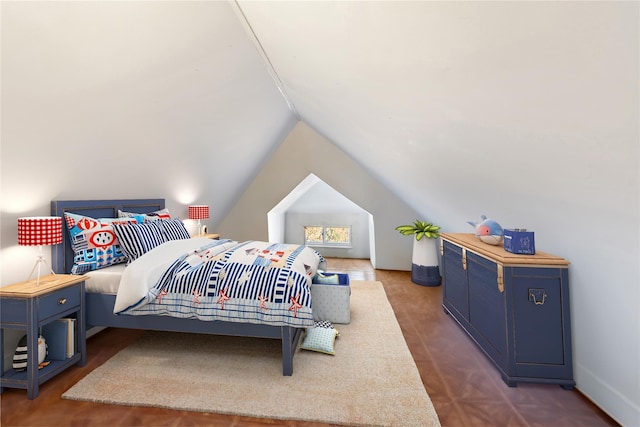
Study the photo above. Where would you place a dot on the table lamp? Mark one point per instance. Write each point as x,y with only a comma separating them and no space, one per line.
39,231
199,212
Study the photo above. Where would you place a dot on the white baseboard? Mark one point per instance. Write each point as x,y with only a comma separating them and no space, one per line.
91,332
618,406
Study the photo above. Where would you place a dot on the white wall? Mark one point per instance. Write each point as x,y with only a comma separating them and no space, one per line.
305,152
129,100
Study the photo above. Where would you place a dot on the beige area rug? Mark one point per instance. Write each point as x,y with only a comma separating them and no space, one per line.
372,379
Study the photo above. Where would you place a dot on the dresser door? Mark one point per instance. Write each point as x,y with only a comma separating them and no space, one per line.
455,290
487,306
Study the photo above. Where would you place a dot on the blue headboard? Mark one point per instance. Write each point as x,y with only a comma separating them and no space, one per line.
62,255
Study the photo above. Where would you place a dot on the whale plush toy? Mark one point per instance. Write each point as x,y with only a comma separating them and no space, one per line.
488,230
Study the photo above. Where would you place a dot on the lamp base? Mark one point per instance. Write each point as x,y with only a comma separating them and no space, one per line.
38,266
201,230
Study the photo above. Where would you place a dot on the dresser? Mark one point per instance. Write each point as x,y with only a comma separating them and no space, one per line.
515,307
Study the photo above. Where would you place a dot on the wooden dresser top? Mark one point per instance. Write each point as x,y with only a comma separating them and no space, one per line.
497,252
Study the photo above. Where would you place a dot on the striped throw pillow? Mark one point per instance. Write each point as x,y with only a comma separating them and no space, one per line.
138,239
174,229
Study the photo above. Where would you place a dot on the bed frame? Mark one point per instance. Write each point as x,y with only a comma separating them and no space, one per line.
99,307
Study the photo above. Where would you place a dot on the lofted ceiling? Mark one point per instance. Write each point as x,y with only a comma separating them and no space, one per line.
421,93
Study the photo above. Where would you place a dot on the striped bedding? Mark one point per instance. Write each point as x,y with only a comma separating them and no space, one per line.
249,282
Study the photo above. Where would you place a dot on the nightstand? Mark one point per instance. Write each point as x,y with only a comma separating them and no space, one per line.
209,236
27,307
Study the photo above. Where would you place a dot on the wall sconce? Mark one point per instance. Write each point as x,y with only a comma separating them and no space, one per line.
39,231
199,212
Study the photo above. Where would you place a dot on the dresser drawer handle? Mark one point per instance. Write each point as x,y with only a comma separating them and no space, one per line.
62,301
537,296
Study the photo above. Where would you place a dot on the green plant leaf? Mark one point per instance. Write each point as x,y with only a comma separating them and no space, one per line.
420,229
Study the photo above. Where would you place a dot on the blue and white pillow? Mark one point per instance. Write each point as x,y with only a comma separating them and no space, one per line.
141,238
148,217
174,229
138,239
94,242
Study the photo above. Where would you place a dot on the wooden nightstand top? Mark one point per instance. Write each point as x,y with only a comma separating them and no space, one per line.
28,289
209,236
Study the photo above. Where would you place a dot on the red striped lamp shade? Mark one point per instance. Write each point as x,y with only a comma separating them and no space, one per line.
198,212
39,230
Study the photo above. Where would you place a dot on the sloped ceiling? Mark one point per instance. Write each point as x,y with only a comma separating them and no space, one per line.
434,94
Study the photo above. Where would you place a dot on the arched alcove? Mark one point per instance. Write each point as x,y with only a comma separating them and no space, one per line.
314,202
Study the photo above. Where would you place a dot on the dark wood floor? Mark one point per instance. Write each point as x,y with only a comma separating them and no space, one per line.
464,386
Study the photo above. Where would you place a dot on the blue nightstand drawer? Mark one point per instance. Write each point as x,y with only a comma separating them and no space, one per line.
59,301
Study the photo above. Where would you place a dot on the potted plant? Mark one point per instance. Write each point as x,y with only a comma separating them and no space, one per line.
424,262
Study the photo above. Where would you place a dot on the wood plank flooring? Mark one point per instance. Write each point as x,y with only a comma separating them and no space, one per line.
464,386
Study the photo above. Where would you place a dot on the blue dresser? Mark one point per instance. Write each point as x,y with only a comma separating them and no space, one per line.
515,307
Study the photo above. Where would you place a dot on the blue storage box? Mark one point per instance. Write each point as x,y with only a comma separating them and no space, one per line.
331,301
519,242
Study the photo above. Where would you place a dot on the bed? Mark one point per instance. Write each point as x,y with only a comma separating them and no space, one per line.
102,286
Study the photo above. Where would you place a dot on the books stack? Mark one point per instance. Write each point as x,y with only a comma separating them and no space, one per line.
61,338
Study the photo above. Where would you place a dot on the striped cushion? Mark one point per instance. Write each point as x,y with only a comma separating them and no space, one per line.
138,239
174,229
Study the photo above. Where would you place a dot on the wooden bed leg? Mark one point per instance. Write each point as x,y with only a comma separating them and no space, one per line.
287,356
290,338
